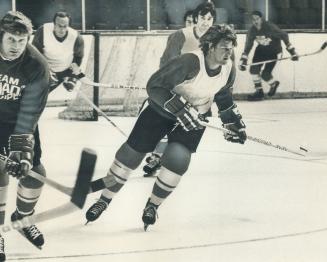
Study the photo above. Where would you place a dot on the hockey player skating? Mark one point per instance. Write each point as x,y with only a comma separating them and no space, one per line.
268,37
180,93
182,41
24,81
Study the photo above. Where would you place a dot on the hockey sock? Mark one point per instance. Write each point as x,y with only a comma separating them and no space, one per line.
29,191
121,174
271,81
3,200
257,81
165,184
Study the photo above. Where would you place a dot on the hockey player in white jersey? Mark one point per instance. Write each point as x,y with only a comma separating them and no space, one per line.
180,93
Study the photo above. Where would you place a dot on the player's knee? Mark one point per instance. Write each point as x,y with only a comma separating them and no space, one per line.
255,70
266,76
30,182
176,158
129,157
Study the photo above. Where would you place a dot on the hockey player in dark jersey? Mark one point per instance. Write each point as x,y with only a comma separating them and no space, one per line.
268,37
180,94
24,81
180,42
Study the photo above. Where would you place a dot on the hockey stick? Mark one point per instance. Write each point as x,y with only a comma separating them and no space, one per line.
324,45
78,196
100,111
257,140
87,81
95,186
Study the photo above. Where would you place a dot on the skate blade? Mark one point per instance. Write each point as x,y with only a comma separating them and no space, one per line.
146,227
22,233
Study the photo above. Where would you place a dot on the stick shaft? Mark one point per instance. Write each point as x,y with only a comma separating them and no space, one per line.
255,139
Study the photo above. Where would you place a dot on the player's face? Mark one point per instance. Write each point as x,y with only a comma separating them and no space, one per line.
257,21
204,22
223,51
61,26
189,21
12,46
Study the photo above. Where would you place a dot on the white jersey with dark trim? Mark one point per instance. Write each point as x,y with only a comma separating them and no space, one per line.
58,54
200,90
191,42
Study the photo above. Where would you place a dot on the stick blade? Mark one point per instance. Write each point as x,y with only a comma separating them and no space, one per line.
84,177
324,45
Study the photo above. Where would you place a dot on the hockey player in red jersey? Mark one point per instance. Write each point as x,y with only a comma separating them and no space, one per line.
268,37
180,42
24,86
180,94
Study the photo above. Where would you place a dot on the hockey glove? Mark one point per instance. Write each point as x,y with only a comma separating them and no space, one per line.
243,62
186,115
69,83
232,120
292,52
20,151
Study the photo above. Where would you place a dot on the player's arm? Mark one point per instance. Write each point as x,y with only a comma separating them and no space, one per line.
32,103
38,39
279,33
160,89
176,71
78,50
173,48
247,49
228,112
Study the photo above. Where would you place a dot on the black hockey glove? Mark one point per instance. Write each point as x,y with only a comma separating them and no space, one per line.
69,83
243,62
21,152
186,115
232,120
292,52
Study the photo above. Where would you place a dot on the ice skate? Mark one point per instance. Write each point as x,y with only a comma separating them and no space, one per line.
95,211
2,249
257,95
153,165
149,214
32,233
273,88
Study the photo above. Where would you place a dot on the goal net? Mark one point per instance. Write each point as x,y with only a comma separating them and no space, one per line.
121,59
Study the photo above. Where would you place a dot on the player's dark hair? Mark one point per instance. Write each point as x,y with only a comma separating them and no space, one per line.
16,23
203,9
258,13
215,34
62,14
187,14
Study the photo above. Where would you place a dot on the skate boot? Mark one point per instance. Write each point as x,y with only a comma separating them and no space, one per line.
94,212
149,214
2,249
257,95
32,233
273,88
153,164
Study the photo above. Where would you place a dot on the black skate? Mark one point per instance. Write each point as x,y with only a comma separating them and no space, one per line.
94,212
273,88
2,249
149,214
32,233
257,95
152,166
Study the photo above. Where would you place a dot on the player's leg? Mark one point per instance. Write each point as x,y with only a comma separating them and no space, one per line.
28,193
154,160
256,77
175,162
268,77
5,132
147,132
